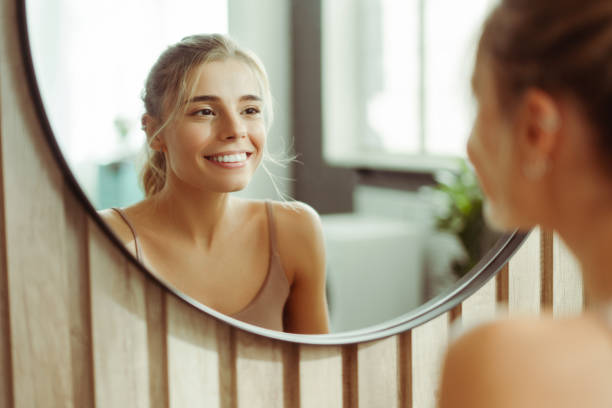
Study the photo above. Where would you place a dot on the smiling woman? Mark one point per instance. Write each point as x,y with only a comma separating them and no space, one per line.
261,262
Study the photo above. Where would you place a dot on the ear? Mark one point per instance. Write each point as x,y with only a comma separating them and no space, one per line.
539,133
150,126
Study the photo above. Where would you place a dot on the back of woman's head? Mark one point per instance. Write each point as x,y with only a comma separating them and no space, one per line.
563,47
171,81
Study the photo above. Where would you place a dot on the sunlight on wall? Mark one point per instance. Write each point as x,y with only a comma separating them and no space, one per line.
91,60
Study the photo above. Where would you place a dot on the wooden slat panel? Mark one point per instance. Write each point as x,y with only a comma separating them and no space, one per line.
524,277
320,376
567,281
79,301
193,356
429,342
118,310
34,225
259,371
481,306
378,369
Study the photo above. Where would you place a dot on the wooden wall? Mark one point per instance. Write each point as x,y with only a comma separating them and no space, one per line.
82,327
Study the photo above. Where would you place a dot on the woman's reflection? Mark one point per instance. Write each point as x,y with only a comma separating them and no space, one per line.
208,107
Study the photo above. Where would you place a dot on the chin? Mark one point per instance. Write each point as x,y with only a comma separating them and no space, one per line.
234,186
236,189
498,218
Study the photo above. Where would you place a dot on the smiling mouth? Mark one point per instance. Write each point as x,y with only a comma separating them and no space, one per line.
229,160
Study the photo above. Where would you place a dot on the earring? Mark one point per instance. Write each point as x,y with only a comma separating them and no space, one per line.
535,170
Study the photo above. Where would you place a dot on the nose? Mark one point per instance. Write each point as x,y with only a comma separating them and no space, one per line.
233,127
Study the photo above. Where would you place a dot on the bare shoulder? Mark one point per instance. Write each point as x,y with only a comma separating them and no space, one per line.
300,236
297,216
117,225
530,362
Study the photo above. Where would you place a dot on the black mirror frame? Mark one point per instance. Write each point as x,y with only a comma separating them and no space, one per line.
481,273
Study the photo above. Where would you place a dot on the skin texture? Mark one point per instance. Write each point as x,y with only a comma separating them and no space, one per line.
539,362
212,246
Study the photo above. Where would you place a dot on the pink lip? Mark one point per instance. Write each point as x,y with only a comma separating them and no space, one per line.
228,165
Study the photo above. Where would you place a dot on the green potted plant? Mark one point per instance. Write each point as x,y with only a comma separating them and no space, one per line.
462,215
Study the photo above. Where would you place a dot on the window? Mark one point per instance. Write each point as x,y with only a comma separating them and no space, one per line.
396,81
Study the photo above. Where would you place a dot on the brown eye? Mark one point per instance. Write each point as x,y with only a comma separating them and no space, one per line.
251,111
204,112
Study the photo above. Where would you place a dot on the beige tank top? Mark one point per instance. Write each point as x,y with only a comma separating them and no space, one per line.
266,308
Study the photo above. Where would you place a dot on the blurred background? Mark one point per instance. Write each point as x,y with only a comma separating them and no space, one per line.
372,96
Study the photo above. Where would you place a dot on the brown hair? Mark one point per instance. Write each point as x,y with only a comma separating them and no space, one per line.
171,82
563,47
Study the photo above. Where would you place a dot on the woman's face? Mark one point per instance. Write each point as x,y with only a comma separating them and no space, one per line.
494,154
217,144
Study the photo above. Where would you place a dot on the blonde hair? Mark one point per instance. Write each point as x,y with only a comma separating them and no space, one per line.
172,81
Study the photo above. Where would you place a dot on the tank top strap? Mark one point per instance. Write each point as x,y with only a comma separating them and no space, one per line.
129,224
271,229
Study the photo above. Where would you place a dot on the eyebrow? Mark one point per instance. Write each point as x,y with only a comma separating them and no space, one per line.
213,98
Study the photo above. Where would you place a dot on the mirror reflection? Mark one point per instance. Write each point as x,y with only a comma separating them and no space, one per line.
352,207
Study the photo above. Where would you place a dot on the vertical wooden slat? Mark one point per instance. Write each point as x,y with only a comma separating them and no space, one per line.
157,343
6,366
455,313
291,374
119,330
429,342
502,283
378,373
34,228
350,380
79,301
566,281
546,269
227,365
320,376
259,371
405,369
193,356
524,277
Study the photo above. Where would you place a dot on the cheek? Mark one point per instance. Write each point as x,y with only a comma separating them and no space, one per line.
479,156
183,146
258,137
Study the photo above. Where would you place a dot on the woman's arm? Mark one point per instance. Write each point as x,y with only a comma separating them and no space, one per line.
302,252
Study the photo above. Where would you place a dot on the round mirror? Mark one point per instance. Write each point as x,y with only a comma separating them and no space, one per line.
372,109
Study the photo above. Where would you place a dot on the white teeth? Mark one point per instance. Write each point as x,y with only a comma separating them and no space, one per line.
230,158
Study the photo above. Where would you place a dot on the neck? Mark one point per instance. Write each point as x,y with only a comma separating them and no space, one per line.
588,233
195,214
